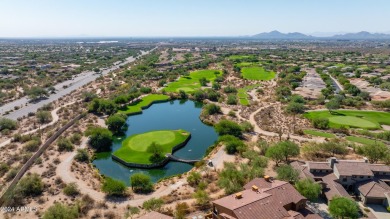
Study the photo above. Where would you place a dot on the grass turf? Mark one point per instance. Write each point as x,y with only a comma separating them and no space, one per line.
319,133
146,101
243,96
134,148
352,118
191,83
247,64
361,140
239,57
257,73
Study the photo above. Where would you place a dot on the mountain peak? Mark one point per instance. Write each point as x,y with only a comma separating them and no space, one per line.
362,35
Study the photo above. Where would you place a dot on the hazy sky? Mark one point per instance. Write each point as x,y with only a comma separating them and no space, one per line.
56,18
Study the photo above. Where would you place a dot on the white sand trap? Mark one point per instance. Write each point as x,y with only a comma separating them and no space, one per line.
386,127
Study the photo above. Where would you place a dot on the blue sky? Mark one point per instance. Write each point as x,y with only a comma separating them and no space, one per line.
61,18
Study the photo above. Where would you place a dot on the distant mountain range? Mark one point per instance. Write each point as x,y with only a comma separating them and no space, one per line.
363,35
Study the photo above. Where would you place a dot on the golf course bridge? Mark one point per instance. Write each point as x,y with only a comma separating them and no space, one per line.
174,158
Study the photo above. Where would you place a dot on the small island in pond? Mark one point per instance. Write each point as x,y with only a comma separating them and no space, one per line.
148,150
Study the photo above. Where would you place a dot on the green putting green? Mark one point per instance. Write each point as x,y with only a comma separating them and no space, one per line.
145,102
352,122
191,83
352,118
243,96
319,133
134,148
257,73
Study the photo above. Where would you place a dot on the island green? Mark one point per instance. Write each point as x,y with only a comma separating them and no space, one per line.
134,149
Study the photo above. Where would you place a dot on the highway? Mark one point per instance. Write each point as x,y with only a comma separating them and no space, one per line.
62,89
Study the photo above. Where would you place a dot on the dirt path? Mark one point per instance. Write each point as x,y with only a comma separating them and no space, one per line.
260,131
54,120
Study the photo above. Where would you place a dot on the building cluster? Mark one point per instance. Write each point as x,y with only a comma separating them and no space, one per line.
349,178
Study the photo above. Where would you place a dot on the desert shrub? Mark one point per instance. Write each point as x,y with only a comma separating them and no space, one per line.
44,117
247,126
71,189
182,209
31,185
194,178
227,127
64,144
211,109
8,124
153,204
141,183
114,187
232,100
61,211
82,155
31,146
321,123
3,169
11,174
75,138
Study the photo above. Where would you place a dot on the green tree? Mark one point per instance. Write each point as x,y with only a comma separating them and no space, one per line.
283,92
153,204
31,185
64,144
275,153
199,95
157,152
100,139
3,169
332,105
35,93
88,96
247,126
203,81
342,207
82,156
320,123
287,173
61,211
334,147
71,189
141,183
375,152
8,124
211,109
216,86
233,177
232,99
232,144
101,106
202,198
289,149
183,94
114,187
44,117
194,178
116,122
308,188
227,127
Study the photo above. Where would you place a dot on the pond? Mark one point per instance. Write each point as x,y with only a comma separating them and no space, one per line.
177,114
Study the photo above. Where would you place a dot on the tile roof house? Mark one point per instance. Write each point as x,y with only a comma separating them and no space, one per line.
369,182
263,199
